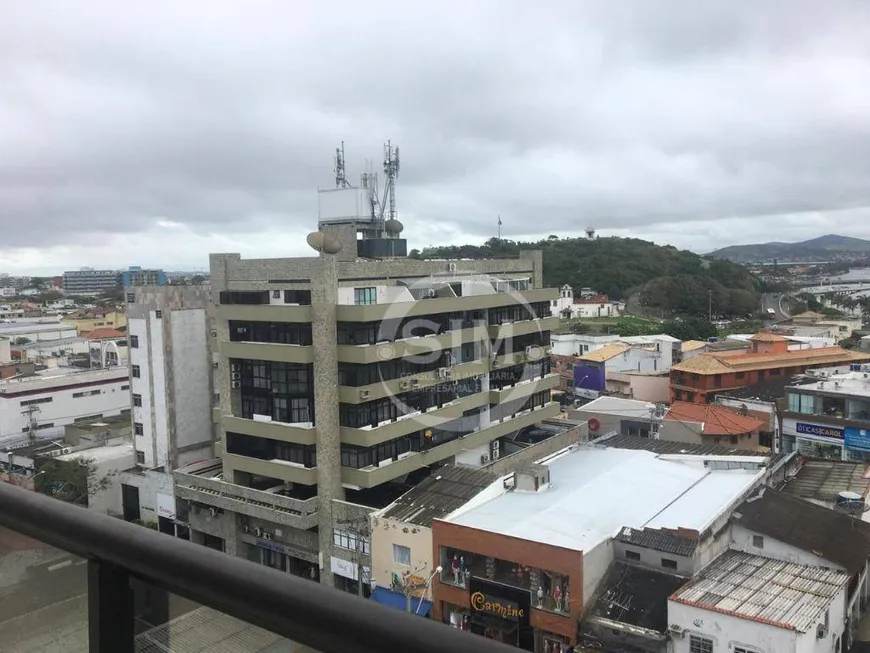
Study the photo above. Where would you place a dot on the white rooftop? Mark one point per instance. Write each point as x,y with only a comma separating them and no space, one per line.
645,340
13,328
781,594
618,406
846,383
595,491
102,454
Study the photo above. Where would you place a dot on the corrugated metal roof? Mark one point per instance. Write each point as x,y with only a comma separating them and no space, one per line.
439,495
658,540
670,447
782,594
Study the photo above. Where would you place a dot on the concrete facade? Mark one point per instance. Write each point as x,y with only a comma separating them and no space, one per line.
320,294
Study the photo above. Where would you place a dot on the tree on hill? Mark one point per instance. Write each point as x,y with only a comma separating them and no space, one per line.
663,278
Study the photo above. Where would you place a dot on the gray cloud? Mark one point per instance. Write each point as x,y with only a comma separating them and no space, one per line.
635,116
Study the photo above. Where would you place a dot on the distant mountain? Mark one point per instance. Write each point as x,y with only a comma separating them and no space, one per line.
824,248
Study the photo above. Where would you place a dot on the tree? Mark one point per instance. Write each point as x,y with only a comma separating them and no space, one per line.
692,328
21,341
69,480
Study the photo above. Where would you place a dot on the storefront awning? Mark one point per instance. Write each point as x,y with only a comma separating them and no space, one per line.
397,601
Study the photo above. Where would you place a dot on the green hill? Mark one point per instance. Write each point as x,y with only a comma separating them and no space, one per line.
824,248
655,277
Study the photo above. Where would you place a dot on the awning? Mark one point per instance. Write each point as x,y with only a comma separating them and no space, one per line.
397,601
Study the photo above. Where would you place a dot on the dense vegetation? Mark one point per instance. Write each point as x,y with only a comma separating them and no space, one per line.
666,279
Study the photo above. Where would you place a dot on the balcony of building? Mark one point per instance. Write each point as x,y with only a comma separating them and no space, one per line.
204,483
261,427
88,582
443,304
387,470
267,351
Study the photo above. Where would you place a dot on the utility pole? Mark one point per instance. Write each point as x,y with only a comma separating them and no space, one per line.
710,312
32,422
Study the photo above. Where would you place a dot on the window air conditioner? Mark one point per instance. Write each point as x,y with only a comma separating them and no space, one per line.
235,376
234,367
267,536
363,394
235,384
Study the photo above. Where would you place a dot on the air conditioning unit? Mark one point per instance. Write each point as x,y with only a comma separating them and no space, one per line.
214,333
363,394
451,267
258,532
267,535
676,630
496,449
484,459
235,376
235,384
430,292
403,385
821,631
234,367
216,364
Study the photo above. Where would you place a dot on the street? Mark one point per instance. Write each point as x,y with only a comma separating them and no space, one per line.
774,301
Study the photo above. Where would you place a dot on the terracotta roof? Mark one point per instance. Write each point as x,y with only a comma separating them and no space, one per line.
716,420
693,345
105,332
709,363
606,352
767,336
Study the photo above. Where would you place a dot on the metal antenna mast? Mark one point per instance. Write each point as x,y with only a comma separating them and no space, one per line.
340,174
391,172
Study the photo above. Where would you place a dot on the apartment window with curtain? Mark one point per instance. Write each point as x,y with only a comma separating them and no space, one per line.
365,296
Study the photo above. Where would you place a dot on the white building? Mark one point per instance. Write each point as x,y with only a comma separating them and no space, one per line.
34,331
589,305
747,603
42,405
665,347
577,344
107,463
170,375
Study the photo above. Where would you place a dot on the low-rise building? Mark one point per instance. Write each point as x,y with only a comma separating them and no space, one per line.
38,407
90,320
700,423
743,602
26,331
401,542
699,379
522,560
617,415
829,416
577,344
588,305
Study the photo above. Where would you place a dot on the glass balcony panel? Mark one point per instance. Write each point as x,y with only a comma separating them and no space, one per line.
43,597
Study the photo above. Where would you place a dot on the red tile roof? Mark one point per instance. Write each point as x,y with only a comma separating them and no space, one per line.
103,333
717,420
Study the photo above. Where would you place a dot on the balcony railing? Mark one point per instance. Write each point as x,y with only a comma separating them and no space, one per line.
122,558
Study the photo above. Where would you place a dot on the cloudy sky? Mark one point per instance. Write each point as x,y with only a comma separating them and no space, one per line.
153,133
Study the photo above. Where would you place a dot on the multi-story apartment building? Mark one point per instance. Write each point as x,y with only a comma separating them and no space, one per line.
169,349
829,416
89,282
342,382
137,276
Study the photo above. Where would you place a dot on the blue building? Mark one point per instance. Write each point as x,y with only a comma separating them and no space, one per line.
136,276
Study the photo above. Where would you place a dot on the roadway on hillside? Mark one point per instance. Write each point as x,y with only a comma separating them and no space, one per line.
775,301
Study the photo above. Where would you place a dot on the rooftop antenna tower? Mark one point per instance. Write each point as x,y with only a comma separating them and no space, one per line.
391,172
340,174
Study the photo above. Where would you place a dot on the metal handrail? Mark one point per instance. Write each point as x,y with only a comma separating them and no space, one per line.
327,620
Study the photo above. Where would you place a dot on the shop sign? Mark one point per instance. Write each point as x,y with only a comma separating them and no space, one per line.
480,602
166,505
349,569
858,439
819,431
492,599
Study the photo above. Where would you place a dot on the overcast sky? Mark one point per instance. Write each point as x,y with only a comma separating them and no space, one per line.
153,133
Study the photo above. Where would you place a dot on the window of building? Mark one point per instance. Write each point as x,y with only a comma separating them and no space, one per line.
140,457
134,370
351,541
131,298
632,555
402,555
758,541
717,380
667,563
365,296
158,315
740,375
733,439
276,294
774,372
134,342
125,387
86,393
33,402
137,400
698,644
137,428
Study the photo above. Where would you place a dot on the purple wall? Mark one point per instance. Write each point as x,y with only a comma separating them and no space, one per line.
589,377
